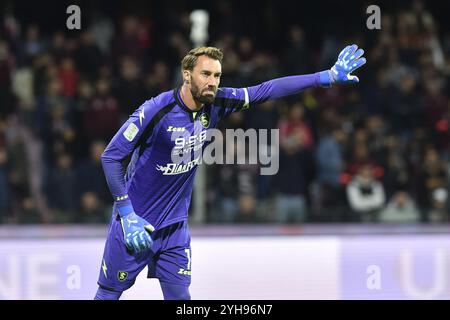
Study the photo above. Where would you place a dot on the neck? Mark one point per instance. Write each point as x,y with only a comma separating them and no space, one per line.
189,100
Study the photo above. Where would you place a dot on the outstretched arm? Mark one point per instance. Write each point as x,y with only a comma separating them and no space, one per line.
348,61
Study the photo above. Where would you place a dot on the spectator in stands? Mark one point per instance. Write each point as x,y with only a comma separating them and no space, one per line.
397,170
6,68
68,75
330,166
432,177
4,185
265,117
90,177
400,209
296,167
439,211
366,195
102,115
62,187
92,209
129,90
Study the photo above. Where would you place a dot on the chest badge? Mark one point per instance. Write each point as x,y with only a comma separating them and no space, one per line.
204,120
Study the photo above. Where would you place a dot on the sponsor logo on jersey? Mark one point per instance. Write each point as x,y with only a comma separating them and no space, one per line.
178,168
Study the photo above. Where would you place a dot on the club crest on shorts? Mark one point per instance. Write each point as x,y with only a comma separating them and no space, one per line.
122,275
204,120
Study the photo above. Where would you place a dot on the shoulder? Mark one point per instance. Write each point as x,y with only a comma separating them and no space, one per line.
231,97
229,93
159,102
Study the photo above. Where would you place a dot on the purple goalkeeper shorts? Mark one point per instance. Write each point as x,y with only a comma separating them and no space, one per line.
169,259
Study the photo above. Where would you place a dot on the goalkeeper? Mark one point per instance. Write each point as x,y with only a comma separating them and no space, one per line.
152,196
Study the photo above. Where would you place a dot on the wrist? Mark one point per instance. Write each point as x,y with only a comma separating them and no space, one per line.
124,207
325,78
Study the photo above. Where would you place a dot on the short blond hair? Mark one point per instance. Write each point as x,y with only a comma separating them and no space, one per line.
189,61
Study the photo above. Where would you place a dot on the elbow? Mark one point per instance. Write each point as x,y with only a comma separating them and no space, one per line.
104,154
106,158
111,156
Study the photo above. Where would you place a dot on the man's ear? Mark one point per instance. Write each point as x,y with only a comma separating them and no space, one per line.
186,76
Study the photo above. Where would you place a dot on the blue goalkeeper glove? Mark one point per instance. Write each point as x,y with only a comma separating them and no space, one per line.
136,232
348,61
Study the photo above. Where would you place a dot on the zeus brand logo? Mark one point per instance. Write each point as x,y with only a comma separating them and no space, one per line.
185,272
175,129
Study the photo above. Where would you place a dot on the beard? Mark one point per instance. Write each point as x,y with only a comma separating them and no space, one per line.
199,95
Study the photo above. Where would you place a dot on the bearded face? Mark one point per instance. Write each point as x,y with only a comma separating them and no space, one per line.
203,95
204,79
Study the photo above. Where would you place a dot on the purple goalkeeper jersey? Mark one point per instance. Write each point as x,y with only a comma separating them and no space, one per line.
155,186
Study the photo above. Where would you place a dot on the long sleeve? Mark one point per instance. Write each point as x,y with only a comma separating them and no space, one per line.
237,99
281,87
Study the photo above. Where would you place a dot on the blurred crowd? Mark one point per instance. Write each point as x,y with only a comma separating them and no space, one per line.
375,152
